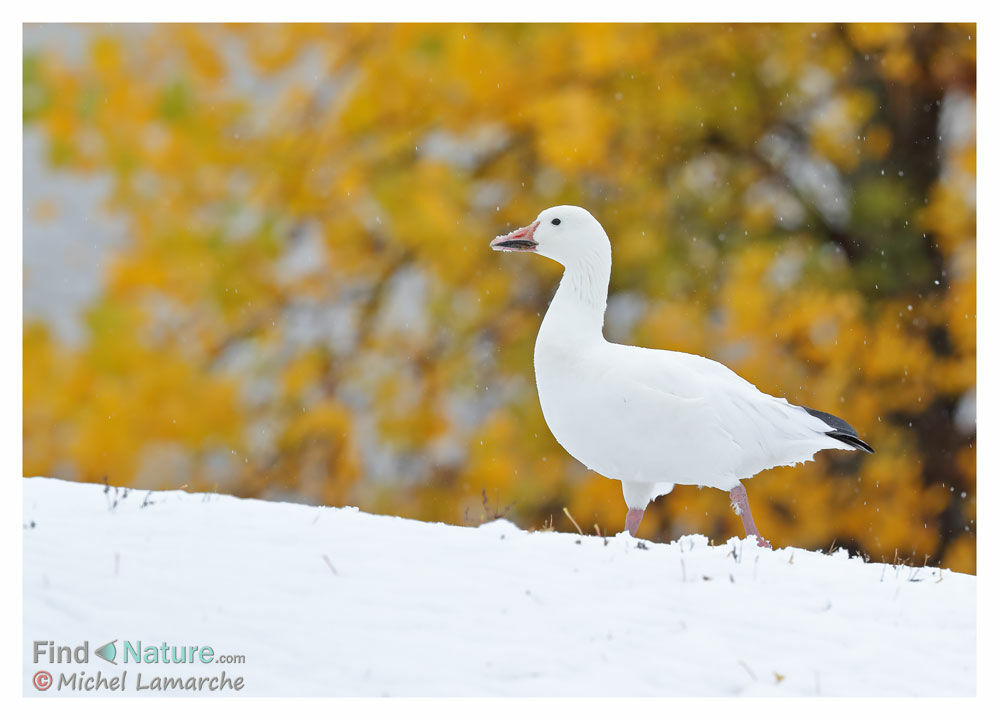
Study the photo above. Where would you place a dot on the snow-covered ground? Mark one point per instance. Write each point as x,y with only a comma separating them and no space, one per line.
333,601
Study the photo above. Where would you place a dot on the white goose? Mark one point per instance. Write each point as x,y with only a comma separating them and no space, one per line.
652,418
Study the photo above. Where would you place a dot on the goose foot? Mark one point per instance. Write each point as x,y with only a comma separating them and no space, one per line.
632,520
740,504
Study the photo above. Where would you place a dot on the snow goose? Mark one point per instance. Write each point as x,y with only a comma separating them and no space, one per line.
652,418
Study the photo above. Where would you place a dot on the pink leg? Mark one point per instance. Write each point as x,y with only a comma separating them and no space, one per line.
740,503
633,520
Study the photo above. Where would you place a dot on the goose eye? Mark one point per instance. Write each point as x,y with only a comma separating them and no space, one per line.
556,221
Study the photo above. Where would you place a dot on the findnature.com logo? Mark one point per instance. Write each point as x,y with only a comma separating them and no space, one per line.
127,652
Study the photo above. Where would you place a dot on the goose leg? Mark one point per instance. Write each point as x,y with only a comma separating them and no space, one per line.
632,520
740,504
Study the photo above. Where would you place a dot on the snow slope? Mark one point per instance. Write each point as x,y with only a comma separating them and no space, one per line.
333,601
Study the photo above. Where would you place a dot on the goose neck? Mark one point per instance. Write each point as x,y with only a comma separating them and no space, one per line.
581,300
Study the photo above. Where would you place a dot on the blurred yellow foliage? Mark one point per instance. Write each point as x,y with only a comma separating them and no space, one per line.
307,307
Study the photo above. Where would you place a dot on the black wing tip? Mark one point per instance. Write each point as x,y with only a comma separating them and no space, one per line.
843,432
851,440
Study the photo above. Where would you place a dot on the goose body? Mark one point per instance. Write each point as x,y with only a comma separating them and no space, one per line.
651,418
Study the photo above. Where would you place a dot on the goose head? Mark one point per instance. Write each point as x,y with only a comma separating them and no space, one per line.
565,233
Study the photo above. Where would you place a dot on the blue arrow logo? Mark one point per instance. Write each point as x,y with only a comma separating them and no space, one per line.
107,652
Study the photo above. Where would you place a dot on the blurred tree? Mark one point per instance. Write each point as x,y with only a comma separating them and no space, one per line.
308,308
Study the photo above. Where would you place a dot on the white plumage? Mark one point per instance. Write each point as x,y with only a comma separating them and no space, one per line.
651,418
